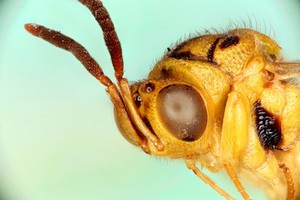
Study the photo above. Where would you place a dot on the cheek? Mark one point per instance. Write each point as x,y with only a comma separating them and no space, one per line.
183,112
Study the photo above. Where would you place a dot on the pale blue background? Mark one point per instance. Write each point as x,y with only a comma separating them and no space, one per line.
58,140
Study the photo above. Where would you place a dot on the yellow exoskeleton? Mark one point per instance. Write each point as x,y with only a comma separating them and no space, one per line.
223,101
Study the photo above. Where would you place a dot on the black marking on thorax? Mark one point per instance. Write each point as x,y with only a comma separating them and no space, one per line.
186,55
267,126
229,41
211,50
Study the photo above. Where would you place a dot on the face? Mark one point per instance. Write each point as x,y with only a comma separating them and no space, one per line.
173,111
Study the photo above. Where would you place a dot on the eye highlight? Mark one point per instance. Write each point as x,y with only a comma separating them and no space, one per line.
182,111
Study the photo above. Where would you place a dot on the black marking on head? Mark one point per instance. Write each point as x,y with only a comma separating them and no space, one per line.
267,126
164,73
149,87
273,57
229,41
147,123
137,99
186,55
211,51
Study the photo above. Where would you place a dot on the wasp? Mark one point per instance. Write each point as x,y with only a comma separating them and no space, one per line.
226,101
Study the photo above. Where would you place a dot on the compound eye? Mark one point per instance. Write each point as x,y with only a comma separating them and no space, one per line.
183,112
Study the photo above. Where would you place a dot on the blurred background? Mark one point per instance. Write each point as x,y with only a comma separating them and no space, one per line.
58,139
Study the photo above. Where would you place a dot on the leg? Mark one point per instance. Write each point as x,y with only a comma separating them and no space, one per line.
235,134
191,165
230,171
289,182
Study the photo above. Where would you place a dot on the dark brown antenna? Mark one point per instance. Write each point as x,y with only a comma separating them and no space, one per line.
110,36
60,40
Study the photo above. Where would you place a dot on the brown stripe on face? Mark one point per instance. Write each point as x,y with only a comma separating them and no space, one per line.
229,41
